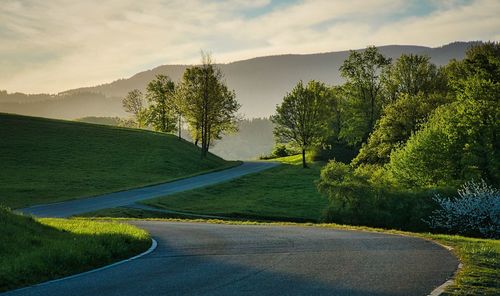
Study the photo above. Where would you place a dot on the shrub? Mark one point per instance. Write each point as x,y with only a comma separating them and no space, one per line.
334,149
281,150
475,212
355,200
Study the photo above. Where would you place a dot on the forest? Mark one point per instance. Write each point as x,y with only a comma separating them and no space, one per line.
399,135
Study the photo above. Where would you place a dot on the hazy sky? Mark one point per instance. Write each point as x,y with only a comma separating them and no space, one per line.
54,45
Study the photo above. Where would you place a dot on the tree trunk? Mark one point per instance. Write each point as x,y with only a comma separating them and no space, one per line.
179,127
304,164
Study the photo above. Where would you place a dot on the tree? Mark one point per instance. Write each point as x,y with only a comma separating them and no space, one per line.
459,142
160,94
399,120
302,117
134,103
481,60
362,71
412,74
208,106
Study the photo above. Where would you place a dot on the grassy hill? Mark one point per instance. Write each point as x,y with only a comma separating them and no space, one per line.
44,160
40,250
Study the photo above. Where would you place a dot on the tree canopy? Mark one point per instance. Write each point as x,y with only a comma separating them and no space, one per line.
207,104
160,95
302,118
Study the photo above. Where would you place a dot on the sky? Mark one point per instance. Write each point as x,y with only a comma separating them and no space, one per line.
54,45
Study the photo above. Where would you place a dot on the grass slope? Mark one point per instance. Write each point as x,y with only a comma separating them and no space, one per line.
44,160
32,251
284,193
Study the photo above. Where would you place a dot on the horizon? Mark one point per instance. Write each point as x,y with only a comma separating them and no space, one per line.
52,47
231,62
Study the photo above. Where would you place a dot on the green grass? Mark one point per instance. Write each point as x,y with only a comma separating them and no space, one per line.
285,193
44,160
33,251
480,274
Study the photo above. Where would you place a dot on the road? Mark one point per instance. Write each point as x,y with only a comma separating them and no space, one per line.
211,259
217,259
125,198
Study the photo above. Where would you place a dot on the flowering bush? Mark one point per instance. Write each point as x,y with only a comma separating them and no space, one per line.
476,211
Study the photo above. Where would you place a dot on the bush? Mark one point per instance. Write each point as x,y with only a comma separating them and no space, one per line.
336,150
355,200
475,212
280,150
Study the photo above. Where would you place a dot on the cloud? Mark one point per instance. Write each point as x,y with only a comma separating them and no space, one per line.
51,46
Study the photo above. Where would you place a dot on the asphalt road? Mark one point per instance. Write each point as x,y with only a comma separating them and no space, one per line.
214,259
211,259
124,198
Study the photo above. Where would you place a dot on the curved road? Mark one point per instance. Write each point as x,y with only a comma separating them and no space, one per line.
213,259
129,197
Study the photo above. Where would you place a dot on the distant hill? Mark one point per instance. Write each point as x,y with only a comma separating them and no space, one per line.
260,83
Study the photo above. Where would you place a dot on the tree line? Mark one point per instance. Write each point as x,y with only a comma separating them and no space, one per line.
201,99
415,129
419,124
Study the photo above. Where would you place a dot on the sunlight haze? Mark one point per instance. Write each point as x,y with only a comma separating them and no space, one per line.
52,46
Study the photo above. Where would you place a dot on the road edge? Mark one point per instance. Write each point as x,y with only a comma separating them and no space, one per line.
442,288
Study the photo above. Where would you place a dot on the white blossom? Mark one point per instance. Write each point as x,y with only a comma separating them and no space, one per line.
476,211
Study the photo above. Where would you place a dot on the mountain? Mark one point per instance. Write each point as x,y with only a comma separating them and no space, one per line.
260,83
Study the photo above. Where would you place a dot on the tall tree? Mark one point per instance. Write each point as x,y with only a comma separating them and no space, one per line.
363,69
208,106
400,119
415,87
160,94
134,103
302,117
412,74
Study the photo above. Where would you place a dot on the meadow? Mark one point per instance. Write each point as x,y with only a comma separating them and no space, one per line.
283,193
45,160
37,250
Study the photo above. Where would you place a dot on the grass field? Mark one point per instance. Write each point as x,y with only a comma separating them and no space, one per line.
32,251
283,193
44,160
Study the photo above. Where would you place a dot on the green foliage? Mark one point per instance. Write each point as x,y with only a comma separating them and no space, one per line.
32,251
400,119
161,112
45,160
363,92
134,103
356,198
482,60
334,149
206,103
302,118
282,150
413,75
460,141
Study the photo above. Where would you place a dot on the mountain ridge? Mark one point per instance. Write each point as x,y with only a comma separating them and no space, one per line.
260,82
